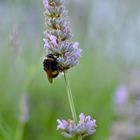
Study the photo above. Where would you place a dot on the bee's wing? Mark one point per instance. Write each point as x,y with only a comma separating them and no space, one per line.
47,68
49,75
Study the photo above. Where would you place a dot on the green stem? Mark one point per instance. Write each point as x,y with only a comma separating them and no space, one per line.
19,131
79,138
70,98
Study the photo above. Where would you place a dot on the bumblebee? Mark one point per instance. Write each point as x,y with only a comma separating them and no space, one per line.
51,67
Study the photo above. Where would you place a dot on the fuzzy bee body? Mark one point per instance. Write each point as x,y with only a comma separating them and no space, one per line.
50,65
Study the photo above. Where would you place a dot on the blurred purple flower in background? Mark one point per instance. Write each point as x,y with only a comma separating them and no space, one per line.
120,100
24,109
126,101
121,95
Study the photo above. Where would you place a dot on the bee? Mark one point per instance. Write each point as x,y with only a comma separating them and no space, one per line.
51,67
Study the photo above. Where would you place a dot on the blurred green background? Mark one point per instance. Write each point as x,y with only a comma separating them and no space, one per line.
109,34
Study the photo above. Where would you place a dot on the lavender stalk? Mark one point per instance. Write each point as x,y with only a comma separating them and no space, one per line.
70,98
63,54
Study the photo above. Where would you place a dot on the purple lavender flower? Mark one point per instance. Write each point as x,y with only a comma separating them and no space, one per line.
85,127
58,34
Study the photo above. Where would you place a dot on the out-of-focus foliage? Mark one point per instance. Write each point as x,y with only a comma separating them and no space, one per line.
108,32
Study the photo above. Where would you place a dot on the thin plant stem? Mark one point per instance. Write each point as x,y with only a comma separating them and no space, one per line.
79,138
19,132
70,98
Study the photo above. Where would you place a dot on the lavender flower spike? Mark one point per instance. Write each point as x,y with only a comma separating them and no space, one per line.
85,127
57,36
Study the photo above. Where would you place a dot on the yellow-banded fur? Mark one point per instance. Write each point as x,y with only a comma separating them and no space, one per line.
50,65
